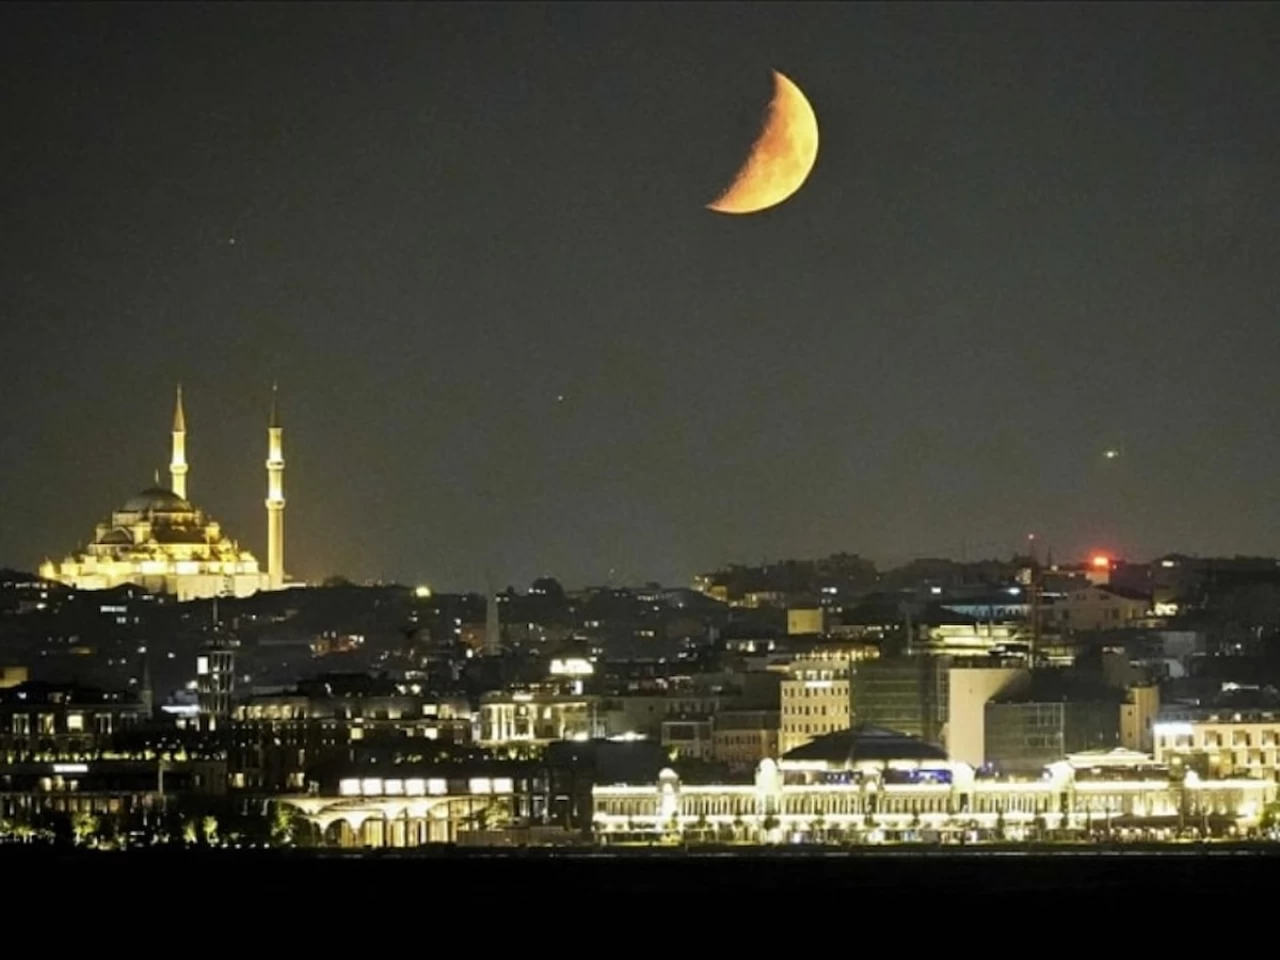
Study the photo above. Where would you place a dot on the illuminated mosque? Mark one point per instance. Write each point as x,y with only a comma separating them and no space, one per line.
161,542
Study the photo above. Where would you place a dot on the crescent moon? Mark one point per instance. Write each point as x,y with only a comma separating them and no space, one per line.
781,158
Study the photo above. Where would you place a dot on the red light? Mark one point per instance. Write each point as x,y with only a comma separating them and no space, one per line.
1101,561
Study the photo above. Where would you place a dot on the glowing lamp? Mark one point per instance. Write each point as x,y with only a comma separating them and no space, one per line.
1101,562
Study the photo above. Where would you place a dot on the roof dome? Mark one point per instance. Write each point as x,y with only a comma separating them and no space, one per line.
158,500
866,743
117,537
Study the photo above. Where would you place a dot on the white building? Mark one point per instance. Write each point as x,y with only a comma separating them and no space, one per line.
869,785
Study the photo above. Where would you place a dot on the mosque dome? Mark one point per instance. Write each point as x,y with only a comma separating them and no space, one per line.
159,540
157,500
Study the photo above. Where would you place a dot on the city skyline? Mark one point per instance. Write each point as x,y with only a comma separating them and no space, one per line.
1026,289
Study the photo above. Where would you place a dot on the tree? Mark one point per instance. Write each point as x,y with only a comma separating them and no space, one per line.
302,832
703,825
282,825
61,827
108,832
209,830
84,826
1270,817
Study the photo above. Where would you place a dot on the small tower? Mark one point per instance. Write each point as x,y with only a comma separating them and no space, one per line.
492,626
275,497
215,682
178,464
146,696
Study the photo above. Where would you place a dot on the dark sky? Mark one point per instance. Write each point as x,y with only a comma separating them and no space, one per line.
1033,233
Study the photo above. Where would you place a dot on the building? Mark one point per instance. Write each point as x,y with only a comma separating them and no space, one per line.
806,621
1032,725
969,690
933,629
1221,742
908,694
62,721
742,738
132,793
1138,715
814,700
644,714
536,718
688,737
276,738
1099,607
161,541
548,801
215,682
868,785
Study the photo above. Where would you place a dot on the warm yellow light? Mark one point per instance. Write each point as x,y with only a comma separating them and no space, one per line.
1101,561
422,593
781,158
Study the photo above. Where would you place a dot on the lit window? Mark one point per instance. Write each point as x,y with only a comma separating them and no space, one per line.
480,785
437,787
75,722
349,788
503,785
415,787
371,786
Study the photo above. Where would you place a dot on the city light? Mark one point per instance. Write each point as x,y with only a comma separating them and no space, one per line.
1101,561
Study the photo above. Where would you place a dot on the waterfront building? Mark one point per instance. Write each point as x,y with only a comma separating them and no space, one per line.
872,785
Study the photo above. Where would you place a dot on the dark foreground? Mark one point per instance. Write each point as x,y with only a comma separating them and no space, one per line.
1093,870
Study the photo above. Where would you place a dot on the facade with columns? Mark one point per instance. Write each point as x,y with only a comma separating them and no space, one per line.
892,788
163,543
410,806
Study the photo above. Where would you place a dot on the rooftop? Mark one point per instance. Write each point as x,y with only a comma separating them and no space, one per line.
158,500
69,694
1061,686
863,744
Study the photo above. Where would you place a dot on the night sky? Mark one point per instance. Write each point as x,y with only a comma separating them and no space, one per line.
1034,233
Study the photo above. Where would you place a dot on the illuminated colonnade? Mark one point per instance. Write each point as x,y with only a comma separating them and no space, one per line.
798,802
378,812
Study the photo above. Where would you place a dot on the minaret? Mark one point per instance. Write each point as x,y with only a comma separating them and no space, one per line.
178,465
275,498
146,696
